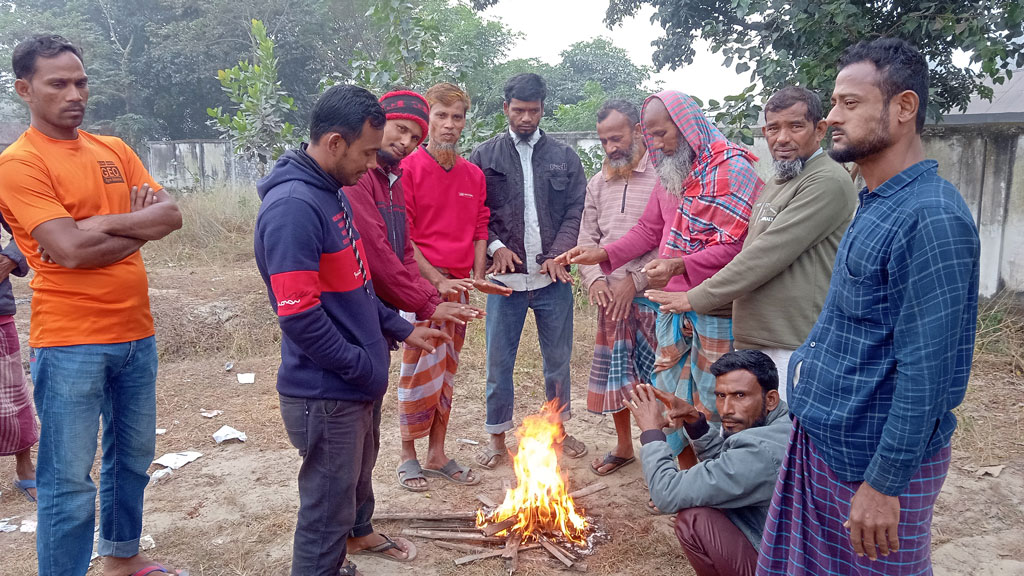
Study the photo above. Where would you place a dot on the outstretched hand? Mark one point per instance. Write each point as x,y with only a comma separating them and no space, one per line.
674,302
456,312
426,338
504,261
679,411
556,271
585,255
646,409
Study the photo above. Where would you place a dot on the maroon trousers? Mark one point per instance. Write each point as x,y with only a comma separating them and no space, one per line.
713,544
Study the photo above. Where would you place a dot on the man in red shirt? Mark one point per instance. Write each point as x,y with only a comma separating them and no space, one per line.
444,199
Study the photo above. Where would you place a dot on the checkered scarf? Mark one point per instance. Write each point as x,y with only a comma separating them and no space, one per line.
719,194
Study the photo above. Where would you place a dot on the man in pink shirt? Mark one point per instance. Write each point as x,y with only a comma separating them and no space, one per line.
625,344
697,217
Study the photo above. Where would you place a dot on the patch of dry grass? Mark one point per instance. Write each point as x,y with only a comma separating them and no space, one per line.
217,229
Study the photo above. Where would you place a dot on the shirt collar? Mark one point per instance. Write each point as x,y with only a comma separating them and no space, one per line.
904,178
531,141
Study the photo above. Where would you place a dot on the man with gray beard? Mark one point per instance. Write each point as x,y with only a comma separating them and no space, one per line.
697,217
777,283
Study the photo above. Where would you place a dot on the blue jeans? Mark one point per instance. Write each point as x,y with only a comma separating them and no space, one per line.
552,309
74,387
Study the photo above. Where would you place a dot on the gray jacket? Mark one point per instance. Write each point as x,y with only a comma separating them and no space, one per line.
736,474
559,187
7,307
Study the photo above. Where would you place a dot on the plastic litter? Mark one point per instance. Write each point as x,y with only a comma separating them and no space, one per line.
228,433
175,460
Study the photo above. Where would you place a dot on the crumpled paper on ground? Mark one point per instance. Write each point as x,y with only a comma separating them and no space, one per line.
228,433
247,378
210,413
175,460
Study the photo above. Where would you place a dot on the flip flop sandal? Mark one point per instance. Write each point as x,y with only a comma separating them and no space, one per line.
349,569
158,569
389,544
23,486
572,447
449,470
491,458
411,470
616,462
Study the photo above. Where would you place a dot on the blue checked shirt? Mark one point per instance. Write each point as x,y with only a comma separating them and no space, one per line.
876,381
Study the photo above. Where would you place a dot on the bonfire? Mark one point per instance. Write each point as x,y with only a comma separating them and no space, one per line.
539,505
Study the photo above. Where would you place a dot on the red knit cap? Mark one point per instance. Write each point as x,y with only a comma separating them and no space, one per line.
407,105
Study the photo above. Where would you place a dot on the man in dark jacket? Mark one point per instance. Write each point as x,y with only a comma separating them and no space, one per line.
535,191
334,352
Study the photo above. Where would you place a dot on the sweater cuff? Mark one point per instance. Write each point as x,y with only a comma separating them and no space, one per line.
698,428
648,436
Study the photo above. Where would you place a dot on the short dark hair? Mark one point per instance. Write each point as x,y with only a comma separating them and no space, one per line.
23,60
344,109
754,361
791,96
624,107
900,67
528,87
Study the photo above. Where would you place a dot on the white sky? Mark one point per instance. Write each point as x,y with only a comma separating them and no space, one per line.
550,26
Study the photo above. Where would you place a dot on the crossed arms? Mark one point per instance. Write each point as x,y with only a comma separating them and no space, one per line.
104,239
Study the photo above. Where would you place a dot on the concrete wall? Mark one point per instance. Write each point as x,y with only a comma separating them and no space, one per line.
986,163
196,165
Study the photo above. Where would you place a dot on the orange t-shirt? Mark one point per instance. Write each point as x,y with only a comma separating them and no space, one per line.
42,179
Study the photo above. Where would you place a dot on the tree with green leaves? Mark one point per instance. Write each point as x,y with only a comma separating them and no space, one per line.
782,42
257,127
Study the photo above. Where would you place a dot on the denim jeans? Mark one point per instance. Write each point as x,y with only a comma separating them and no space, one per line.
364,509
552,309
335,440
74,387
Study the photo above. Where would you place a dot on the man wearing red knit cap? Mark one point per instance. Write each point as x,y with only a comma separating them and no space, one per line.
379,213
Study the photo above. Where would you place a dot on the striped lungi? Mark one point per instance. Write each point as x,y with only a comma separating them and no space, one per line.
18,427
623,356
689,343
804,533
425,378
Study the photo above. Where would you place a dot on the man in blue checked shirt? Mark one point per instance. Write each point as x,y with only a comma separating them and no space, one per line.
874,386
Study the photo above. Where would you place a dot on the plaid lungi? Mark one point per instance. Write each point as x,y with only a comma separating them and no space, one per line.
804,533
425,378
623,356
18,426
690,359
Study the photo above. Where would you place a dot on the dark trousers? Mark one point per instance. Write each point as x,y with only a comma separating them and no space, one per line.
364,510
713,544
335,440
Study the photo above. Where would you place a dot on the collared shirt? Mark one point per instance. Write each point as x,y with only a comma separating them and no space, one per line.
533,279
613,206
876,381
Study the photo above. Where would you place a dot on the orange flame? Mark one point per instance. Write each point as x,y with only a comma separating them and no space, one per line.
539,502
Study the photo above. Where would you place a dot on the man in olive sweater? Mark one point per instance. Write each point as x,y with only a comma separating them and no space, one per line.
778,281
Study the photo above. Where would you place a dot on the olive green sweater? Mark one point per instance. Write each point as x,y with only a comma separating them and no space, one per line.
778,281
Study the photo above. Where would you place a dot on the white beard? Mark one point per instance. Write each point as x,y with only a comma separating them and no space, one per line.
674,170
786,170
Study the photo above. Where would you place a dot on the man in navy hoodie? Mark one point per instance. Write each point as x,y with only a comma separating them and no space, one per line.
334,350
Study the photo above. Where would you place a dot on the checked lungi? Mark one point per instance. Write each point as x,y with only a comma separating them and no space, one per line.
623,356
804,533
690,343
18,427
425,378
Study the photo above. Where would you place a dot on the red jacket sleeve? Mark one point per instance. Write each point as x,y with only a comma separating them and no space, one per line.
397,282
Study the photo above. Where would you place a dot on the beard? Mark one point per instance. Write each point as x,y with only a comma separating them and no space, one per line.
761,421
786,170
879,140
387,160
674,170
624,165
444,153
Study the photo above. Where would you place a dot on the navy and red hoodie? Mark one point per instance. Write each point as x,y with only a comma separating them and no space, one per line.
333,325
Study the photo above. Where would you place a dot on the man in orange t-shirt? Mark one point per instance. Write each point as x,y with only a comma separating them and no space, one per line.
80,206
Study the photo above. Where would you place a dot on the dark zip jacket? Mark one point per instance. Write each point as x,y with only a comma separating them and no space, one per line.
559,187
309,254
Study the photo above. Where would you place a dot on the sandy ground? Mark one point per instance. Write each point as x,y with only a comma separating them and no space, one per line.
232,512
